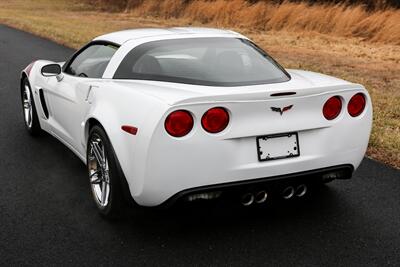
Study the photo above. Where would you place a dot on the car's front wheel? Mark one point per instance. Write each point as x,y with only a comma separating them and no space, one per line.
104,174
29,109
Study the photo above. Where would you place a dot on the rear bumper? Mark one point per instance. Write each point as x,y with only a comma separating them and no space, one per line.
272,185
180,169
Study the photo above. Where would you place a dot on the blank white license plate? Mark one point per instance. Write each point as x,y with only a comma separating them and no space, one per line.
278,146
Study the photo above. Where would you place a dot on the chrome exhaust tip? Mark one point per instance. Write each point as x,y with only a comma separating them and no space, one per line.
247,199
301,190
261,197
288,192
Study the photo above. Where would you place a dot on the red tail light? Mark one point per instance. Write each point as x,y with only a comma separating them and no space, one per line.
356,105
332,108
179,123
215,120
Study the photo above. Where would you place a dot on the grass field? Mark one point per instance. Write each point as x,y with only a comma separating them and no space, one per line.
381,24
374,63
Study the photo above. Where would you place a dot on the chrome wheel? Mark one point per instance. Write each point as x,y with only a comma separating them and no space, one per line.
99,171
27,104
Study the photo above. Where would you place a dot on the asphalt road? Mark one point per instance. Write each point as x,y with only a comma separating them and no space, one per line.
47,217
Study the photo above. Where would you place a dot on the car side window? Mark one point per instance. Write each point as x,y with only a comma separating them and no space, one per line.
92,61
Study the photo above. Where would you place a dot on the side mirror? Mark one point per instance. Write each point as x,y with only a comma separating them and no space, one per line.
51,70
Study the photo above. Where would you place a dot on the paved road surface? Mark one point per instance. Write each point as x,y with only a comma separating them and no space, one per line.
47,217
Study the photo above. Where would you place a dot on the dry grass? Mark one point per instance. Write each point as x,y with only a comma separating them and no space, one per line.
376,65
379,25
367,4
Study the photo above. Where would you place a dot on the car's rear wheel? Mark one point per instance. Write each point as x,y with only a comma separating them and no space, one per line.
105,176
29,109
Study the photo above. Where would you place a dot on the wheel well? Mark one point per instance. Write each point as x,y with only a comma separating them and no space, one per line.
23,77
125,187
89,125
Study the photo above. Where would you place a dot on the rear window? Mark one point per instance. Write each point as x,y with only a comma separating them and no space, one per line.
202,61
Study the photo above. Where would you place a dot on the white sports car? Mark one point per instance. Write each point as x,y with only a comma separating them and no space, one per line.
183,114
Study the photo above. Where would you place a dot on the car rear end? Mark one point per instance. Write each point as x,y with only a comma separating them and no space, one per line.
237,120
204,149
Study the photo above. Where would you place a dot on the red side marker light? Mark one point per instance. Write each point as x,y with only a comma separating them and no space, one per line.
129,129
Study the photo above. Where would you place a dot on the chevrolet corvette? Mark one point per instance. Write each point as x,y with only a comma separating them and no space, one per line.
161,116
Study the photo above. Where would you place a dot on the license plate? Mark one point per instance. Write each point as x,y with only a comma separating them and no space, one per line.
278,146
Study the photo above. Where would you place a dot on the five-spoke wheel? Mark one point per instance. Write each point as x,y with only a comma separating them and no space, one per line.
105,176
98,170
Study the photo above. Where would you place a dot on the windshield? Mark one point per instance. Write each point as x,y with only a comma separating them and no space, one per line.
202,61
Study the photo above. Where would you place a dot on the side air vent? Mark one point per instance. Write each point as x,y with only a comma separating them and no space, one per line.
43,103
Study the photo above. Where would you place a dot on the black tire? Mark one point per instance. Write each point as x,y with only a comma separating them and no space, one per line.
116,204
33,128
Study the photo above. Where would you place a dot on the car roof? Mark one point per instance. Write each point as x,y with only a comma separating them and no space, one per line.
121,37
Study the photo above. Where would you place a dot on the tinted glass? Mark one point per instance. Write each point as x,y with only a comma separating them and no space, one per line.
92,61
203,61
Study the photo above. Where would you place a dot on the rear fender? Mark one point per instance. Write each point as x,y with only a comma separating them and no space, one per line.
112,111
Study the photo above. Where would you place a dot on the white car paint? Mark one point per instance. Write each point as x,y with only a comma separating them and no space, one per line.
156,165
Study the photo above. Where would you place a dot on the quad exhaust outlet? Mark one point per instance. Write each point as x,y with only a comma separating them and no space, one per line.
260,197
